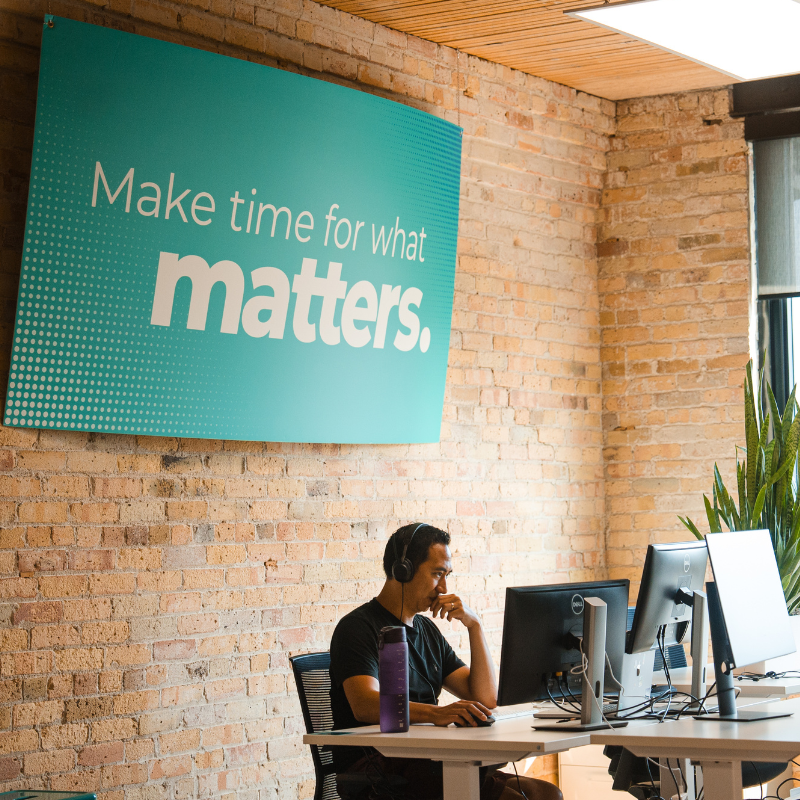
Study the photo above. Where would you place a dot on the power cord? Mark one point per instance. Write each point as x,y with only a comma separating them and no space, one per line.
661,638
636,711
776,796
556,703
777,790
760,676
656,792
680,769
573,700
758,777
674,779
701,708
519,785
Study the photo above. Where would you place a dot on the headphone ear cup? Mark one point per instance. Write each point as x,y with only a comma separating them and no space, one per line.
402,570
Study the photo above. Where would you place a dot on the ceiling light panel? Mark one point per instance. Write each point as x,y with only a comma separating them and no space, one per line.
747,39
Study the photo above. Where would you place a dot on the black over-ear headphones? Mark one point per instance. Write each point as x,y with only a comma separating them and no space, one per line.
403,569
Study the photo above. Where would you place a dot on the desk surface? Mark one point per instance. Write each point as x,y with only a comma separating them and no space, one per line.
764,687
766,740
508,739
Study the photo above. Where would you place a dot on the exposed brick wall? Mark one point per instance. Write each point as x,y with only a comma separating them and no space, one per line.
152,589
674,282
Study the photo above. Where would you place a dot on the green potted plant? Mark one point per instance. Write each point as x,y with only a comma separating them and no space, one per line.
767,483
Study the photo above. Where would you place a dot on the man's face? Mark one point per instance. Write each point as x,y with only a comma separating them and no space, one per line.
430,579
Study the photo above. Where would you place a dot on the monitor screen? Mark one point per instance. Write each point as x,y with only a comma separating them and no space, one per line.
750,595
667,568
539,647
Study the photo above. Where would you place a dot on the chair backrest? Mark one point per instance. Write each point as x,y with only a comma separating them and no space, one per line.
313,680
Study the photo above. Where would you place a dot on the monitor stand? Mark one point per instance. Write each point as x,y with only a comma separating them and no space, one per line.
723,669
594,647
699,646
636,679
698,601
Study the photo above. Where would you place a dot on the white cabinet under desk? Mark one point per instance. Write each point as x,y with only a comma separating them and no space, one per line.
583,774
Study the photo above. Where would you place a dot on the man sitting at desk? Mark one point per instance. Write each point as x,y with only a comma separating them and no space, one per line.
433,664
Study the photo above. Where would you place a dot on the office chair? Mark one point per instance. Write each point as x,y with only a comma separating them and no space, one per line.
313,680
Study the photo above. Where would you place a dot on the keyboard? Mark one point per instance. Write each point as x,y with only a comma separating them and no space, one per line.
509,712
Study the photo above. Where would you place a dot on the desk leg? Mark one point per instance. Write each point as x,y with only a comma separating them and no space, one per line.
722,779
461,780
688,772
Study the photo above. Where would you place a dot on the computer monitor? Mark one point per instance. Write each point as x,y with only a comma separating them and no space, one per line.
747,612
540,630
670,597
668,568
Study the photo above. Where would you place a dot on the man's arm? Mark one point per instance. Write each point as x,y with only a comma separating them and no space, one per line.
476,682
363,694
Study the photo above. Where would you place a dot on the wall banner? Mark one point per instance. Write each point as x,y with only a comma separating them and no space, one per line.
218,249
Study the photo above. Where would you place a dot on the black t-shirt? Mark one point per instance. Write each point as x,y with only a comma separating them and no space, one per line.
354,651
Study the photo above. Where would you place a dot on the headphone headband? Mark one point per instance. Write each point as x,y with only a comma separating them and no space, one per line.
403,569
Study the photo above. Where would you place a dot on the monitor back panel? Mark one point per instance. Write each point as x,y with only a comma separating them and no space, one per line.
536,635
667,568
751,595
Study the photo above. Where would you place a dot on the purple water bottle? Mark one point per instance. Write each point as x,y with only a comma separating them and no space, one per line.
393,679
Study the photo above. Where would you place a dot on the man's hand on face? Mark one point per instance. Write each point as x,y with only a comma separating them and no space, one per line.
463,713
449,606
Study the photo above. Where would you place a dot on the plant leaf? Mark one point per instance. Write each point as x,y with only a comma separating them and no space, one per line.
691,526
788,413
713,516
777,430
759,506
751,435
740,485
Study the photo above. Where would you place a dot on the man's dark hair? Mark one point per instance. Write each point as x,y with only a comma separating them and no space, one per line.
418,549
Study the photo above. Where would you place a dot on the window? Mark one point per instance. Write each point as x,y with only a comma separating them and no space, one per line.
776,166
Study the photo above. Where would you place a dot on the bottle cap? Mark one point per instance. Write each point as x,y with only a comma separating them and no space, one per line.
391,635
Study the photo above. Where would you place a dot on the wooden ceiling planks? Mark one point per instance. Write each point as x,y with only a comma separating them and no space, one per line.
535,36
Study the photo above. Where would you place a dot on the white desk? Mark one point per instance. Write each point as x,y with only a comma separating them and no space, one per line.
719,747
764,687
462,751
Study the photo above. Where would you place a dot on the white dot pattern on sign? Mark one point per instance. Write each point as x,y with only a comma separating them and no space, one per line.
75,359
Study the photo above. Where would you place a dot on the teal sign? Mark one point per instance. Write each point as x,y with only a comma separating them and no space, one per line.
218,249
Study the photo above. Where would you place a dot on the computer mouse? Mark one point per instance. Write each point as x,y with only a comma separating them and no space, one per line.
482,723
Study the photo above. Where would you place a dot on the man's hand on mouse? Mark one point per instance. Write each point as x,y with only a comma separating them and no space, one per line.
450,606
463,712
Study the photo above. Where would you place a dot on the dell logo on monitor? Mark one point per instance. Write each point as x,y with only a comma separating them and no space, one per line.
577,604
